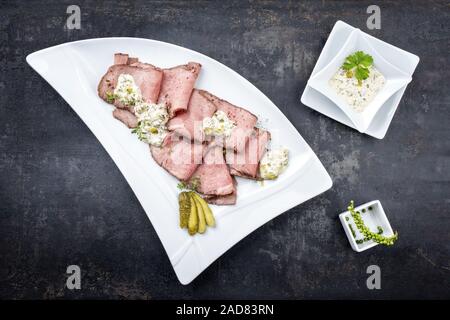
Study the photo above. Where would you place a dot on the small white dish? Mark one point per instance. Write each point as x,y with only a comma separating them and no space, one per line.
403,60
373,218
394,80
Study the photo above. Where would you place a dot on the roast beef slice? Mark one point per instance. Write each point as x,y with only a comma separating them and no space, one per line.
128,118
246,163
245,122
213,177
123,58
177,85
147,77
178,156
220,200
190,122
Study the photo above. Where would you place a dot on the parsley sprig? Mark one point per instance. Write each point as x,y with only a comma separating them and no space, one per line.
357,64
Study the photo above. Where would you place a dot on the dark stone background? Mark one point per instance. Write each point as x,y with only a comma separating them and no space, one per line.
63,201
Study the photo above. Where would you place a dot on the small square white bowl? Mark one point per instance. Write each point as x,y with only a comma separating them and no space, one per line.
403,60
372,219
394,80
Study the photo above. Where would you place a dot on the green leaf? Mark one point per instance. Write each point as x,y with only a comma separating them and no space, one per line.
348,66
361,73
358,64
364,59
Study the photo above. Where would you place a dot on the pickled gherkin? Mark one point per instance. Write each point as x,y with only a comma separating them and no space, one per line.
193,218
184,202
209,217
195,213
200,213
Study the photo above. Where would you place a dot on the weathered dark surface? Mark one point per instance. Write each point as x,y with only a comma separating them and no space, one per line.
63,201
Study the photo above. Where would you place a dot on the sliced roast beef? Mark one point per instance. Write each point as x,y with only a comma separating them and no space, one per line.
147,77
178,156
244,120
120,58
245,164
177,85
143,65
213,176
132,60
123,58
128,118
220,200
190,122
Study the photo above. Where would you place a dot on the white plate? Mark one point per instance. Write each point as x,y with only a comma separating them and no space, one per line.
74,70
404,61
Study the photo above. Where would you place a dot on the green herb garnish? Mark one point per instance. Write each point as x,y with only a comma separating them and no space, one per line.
140,131
357,65
110,97
192,185
182,185
369,235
